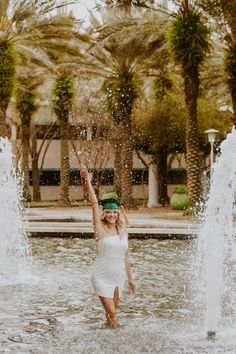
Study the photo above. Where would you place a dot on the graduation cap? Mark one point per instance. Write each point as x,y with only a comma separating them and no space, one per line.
109,201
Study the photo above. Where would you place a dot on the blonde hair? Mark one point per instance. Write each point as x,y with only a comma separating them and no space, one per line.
119,223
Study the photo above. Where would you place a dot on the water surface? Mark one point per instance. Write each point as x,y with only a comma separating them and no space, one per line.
53,310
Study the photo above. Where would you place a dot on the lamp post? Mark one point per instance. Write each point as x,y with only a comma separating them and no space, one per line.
89,134
211,134
152,185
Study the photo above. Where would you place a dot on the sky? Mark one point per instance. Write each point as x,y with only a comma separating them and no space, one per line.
81,9
82,6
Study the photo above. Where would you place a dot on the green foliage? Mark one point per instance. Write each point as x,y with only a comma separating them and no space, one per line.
64,94
162,85
161,125
181,189
121,93
230,66
179,201
188,39
128,3
221,10
26,100
7,70
209,116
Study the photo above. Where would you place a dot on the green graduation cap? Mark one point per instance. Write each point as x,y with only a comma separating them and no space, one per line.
109,200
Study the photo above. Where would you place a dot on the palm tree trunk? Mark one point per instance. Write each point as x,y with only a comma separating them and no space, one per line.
7,78
25,138
97,181
233,97
191,86
162,177
127,164
117,167
65,166
3,125
35,170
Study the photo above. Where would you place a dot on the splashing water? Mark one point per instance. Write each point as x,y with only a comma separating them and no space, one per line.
14,250
217,236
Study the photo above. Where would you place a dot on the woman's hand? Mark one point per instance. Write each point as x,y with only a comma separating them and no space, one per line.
132,287
84,172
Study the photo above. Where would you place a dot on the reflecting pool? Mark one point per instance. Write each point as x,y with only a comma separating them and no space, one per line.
52,310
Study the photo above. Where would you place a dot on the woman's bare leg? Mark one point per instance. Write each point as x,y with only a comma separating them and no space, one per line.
116,297
110,310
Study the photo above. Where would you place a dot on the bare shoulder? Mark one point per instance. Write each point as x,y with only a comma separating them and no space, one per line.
125,232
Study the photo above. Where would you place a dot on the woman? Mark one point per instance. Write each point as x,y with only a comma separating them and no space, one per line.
113,265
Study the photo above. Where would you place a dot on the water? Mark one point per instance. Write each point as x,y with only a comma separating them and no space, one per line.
55,312
14,250
217,237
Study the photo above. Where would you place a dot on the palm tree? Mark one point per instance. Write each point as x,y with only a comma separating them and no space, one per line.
35,34
62,104
122,57
125,5
224,15
121,64
189,42
27,28
66,68
26,105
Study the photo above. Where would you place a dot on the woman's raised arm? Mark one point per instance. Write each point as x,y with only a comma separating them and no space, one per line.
92,196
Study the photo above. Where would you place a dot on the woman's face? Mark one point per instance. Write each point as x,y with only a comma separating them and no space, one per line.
111,216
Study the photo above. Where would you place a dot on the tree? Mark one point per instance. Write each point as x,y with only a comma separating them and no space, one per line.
93,148
223,13
62,105
26,105
127,5
188,38
123,90
122,59
27,28
159,131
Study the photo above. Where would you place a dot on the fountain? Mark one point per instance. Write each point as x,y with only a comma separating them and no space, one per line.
217,238
14,250
54,312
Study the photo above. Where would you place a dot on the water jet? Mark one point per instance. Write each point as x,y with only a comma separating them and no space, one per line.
216,238
14,250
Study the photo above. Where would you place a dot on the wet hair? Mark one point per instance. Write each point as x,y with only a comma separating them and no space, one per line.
119,223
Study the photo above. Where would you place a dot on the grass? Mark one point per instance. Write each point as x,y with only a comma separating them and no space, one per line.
168,215
52,203
74,203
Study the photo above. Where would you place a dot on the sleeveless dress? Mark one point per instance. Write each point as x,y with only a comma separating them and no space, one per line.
109,269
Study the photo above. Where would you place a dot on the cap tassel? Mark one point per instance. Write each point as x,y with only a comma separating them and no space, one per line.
124,215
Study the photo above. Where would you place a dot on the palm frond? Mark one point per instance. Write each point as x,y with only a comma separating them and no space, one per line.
27,54
45,7
4,6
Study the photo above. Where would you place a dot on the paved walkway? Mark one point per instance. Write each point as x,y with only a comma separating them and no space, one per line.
77,222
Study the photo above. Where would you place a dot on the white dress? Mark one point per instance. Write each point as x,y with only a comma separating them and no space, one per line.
109,269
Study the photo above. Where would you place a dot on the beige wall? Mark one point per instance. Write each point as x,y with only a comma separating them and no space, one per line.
91,153
76,192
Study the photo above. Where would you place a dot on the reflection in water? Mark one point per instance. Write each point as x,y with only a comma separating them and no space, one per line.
56,313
